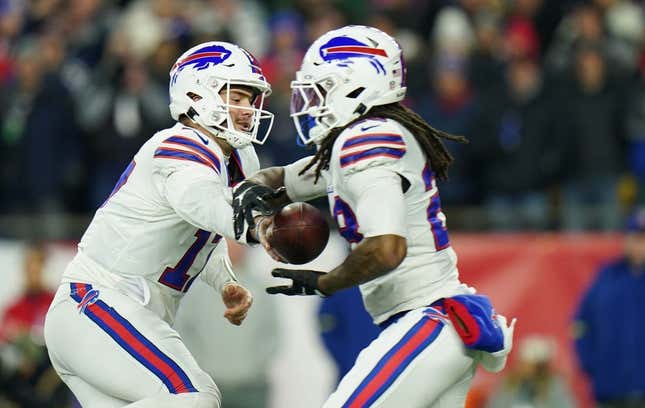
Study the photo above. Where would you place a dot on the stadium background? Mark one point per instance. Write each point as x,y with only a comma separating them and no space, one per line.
550,93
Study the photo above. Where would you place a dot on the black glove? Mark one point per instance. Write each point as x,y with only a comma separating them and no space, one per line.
249,197
305,282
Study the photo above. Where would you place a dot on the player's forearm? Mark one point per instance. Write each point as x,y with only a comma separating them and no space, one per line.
274,178
374,257
271,176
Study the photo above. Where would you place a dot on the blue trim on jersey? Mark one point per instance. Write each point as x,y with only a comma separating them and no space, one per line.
402,365
79,290
181,155
373,137
377,151
198,147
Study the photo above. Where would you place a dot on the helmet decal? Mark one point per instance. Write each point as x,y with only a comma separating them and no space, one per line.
255,64
202,59
342,48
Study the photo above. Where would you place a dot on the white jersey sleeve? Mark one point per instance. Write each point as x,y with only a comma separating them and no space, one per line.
377,191
200,199
191,178
302,187
368,157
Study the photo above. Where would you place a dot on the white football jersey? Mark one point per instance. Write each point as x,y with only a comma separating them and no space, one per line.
382,149
157,230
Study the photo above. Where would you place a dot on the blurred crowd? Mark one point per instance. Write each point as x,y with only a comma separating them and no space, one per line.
551,94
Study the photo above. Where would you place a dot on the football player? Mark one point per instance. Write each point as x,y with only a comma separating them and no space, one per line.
108,330
378,162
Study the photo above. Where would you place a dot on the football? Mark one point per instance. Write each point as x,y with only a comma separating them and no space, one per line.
300,233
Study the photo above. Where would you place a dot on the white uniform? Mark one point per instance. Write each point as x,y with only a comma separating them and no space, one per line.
108,330
418,360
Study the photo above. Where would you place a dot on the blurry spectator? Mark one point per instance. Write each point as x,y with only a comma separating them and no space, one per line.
453,33
591,127
451,107
533,383
625,22
609,325
515,149
584,27
346,328
26,376
122,108
521,36
280,66
636,130
241,22
327,19
162,59
485,68
40,138
146,23
86,26
521,39
238,359
11,21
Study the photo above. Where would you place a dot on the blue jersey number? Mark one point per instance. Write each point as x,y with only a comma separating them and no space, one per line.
346,220
177,277
437,224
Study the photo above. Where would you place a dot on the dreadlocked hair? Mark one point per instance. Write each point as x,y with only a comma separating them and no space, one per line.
428,137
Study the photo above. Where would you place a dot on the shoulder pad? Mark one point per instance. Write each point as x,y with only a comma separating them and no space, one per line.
187,145
369,143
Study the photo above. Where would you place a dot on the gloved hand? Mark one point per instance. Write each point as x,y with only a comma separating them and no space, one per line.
472,316
304,282
250,197
495,362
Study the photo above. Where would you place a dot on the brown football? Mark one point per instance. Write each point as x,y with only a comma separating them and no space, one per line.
300,233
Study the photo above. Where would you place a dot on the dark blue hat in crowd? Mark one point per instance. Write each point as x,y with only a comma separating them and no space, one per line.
636,222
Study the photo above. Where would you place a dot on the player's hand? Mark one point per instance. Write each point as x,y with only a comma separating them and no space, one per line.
250,197
304,282
238,301
264,232
495,362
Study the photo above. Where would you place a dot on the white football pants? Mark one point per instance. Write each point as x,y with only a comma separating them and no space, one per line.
113,352
417,362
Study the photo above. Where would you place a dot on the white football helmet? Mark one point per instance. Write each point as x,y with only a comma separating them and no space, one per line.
207,69
343,74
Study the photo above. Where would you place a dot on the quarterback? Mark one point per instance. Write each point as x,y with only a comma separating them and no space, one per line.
109,329
378,162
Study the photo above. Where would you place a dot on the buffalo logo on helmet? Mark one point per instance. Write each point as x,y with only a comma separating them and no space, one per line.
344,48
202,59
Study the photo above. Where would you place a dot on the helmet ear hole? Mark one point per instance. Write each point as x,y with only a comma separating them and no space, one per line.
193,96
354,94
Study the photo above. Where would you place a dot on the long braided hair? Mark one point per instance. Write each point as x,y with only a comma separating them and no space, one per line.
428,137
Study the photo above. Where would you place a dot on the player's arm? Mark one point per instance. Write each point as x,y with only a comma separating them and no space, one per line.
218,273
378,192
198,195
272,188
373,257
